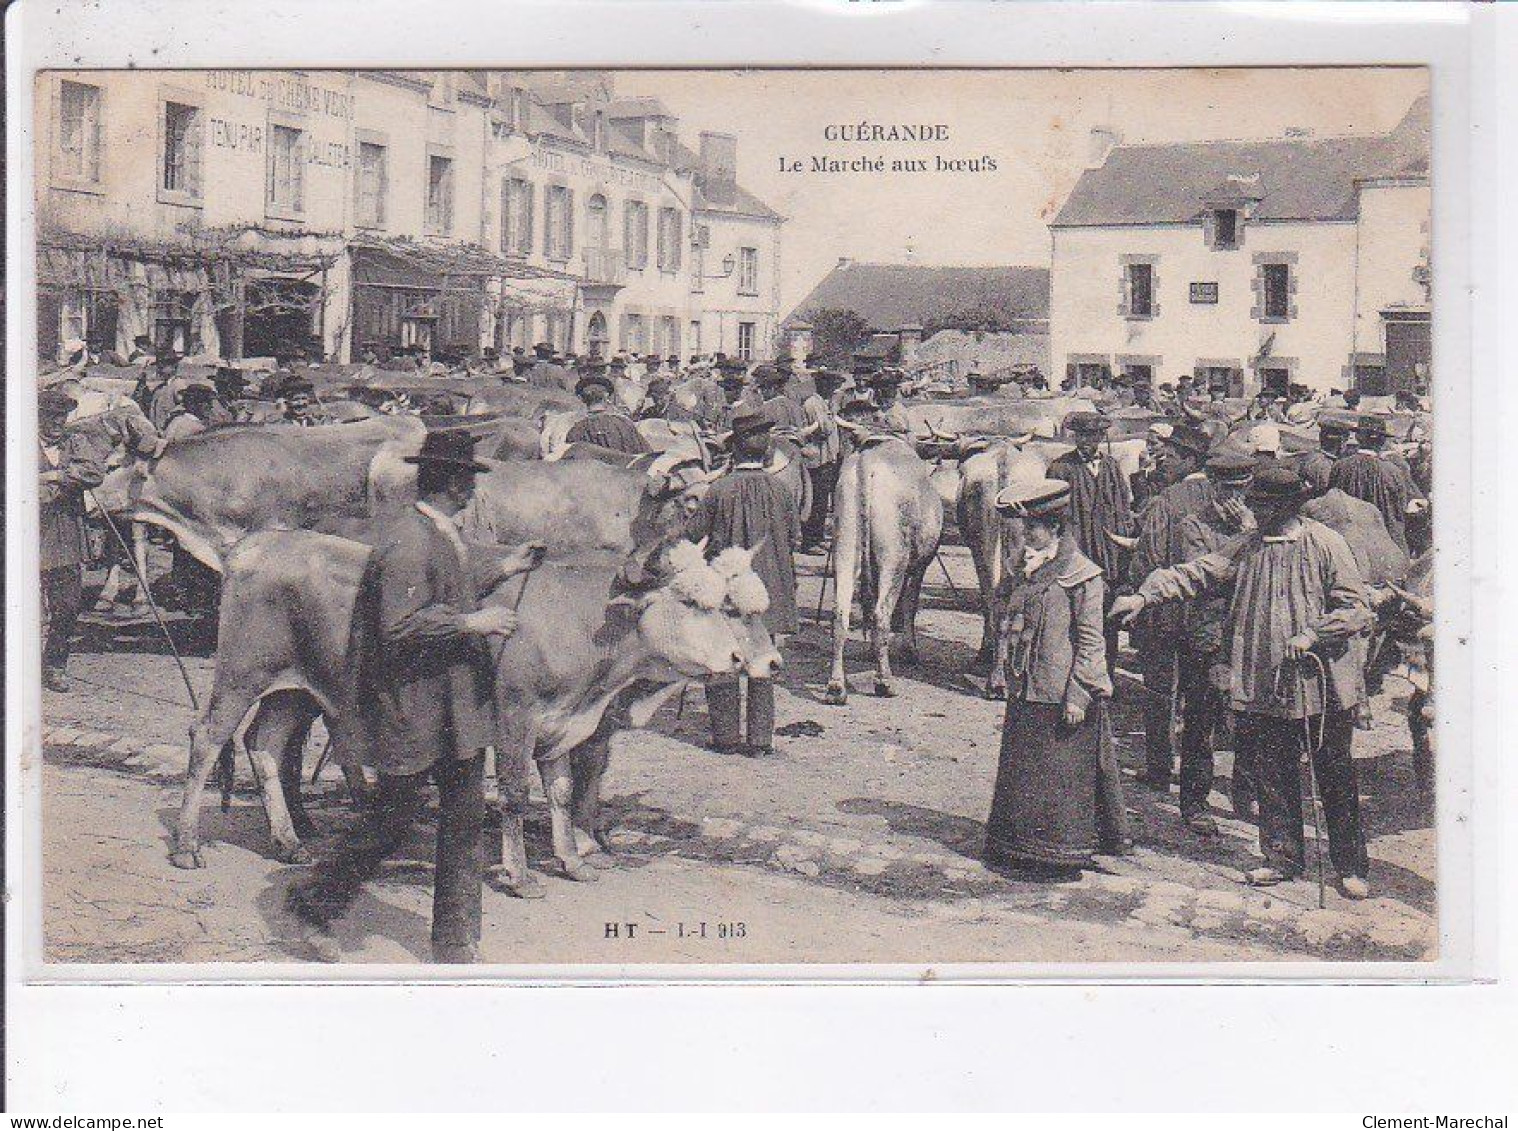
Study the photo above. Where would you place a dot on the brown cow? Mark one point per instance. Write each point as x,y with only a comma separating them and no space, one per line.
580,646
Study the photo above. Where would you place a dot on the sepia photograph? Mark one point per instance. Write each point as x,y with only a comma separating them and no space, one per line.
735,518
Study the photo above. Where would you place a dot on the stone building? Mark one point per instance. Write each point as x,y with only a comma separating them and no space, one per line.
1250,263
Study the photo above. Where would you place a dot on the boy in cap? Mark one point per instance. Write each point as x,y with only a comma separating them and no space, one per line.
70,463
1295,639
604,424
750,509
428,700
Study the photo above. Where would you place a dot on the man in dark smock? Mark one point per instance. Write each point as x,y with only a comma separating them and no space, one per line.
546,373
1371,475
426,695
1297,593
749,508
1157,634
1316,466
605,424
1100,501
783,410
1058,797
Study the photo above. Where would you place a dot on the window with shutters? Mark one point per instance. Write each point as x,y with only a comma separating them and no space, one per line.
77,161
635,234
695,335
558,228
516,216
287,171
670,346
748,270
439,194
745,341
669,239
373,183
183,133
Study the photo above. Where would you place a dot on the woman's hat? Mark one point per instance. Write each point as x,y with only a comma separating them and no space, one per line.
450,448
1277,481
1038,498
750,421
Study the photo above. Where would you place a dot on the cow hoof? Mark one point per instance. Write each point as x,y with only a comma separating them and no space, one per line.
836,695
187,858
579,871
293,854
885,690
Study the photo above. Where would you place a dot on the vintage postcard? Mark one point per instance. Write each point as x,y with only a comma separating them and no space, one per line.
615,518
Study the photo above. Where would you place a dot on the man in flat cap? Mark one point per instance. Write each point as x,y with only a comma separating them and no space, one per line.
605,424
1295,639
1101,502
1375,476
70,463
750,509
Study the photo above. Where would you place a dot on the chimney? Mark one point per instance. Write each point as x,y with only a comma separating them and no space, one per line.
719,166
1103,138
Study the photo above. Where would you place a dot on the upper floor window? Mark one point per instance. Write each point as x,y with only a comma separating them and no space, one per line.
287,169
669,239
598,131
182,134
439,194
748,270
516,216
597,230
746,341
79,131
1225,229
1138,290
1274,287
558,226
373,175
635,234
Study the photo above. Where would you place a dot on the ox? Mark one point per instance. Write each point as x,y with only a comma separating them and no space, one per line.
581,645
887,525
212,489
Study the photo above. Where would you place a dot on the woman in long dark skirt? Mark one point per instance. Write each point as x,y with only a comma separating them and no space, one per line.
1058,799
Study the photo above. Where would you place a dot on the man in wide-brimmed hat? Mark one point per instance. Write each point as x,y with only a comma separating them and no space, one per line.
605,424
1157,635
1295,642
748,508
1316,465
427,692
1377,477
70,463
297,396
1101,501
885,384
782,408
548,373
231,404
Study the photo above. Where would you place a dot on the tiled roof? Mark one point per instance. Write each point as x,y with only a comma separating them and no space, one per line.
1298,179
891,295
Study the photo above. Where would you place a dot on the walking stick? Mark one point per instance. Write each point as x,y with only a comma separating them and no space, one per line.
938,557
1312,747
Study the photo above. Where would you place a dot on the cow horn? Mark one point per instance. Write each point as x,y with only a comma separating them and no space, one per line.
1122,541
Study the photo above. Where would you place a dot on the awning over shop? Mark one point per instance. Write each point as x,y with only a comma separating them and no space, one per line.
375,266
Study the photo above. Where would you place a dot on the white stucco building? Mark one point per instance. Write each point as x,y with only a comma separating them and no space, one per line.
1298,260
240,213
